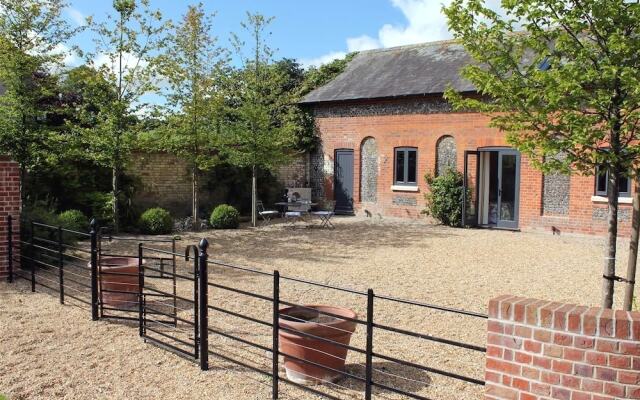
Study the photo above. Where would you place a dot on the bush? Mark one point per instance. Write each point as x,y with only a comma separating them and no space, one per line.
74,220
156,221
225,217
101,205
444,200
39,212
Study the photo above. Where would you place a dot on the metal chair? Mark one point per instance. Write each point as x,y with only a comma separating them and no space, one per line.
297,212
266,215
325,215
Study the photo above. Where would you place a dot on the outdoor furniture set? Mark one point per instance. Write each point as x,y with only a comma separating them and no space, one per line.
297,211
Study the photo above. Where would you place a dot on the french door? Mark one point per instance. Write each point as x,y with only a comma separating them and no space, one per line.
492,188
508,188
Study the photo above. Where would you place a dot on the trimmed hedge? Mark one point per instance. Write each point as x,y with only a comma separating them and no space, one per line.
225,217
156,221
74,220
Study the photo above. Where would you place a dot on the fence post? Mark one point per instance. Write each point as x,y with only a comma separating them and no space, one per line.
61,264
32,259
196,326
175,288
369,349
94,270
275,352
10,247
203,307
141,331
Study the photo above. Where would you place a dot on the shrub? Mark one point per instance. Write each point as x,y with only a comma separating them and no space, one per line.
38,212
74,220
156,221
101,205
225,217
444,200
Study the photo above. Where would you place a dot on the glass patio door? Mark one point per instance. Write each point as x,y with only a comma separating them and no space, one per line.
508,189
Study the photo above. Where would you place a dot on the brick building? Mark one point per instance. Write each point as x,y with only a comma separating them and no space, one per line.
384,123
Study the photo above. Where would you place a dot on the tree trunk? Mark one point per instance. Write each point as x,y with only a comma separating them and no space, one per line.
633,248
609,270
115,192
254,196
195,199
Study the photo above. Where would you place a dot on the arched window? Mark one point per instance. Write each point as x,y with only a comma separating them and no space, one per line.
368,170
446,157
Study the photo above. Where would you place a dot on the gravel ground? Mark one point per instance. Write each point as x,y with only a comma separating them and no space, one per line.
53,351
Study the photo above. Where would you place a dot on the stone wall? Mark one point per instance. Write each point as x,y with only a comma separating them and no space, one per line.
555,197
540,349
369,173
9,206
446,156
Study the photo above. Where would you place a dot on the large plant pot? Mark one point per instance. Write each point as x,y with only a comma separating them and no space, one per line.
307,320
119,274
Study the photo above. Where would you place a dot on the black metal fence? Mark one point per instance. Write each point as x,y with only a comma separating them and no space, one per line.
173,307
48,257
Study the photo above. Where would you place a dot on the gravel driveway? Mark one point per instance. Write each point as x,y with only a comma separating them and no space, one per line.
52,351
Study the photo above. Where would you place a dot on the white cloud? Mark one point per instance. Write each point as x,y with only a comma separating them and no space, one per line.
70,56
425,22
362,43
76,16
130,61
308,62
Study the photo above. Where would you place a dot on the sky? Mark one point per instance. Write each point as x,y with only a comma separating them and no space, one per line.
311,31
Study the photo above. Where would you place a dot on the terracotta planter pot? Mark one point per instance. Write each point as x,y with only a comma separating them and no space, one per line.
315,350
121,283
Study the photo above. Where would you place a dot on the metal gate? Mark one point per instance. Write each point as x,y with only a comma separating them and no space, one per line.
118,284
168,310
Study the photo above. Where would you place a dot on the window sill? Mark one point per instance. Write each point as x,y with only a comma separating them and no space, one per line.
402,188
602,199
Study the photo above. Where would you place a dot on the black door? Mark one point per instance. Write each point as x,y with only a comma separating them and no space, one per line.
343,181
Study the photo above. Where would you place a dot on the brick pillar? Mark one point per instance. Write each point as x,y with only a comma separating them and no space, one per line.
538,350
9,205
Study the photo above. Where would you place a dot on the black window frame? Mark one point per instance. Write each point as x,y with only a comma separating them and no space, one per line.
622,192
405,181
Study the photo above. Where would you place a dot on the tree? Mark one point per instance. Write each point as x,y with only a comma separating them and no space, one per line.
32,43
256,137
560,78
126,45
195,69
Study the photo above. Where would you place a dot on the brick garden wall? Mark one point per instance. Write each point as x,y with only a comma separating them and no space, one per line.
421,123
544,350
295,173
9,205
164,180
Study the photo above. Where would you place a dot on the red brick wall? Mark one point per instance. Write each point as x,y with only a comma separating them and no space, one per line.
539,349
470,131
9,205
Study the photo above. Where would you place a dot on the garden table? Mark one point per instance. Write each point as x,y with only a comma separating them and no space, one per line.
325,218
284,205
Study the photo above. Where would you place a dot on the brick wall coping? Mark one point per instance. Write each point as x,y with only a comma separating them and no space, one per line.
572,318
